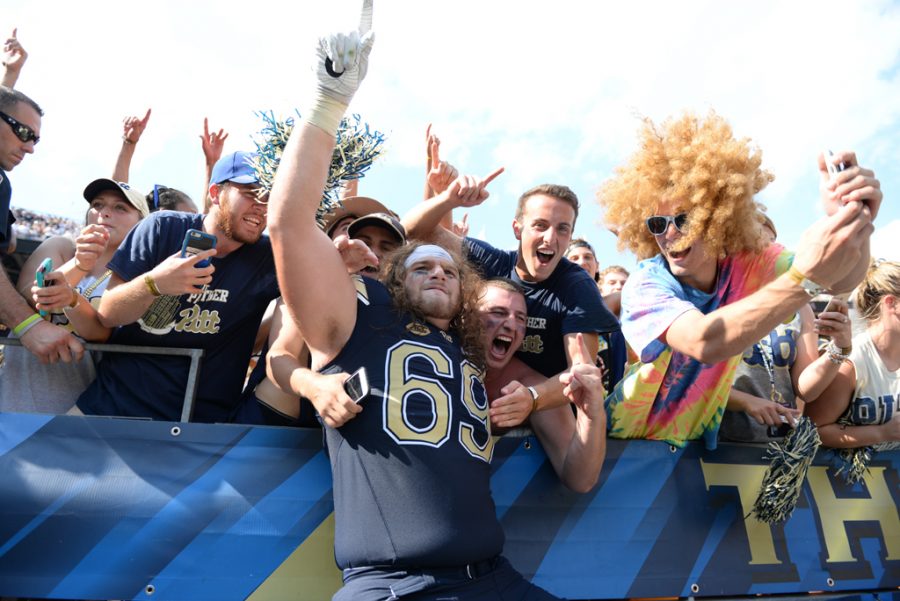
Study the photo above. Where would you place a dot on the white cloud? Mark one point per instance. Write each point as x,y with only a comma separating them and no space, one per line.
551,90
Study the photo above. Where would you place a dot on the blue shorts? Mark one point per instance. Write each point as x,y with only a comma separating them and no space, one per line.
490,580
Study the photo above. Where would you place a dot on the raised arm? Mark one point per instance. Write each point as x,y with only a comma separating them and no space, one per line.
314,283
212,145
132,128
14,57
424,221
855,185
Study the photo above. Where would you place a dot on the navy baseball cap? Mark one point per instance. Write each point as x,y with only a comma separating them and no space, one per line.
235,167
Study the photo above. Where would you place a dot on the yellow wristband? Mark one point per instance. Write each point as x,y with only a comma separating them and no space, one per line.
26,324
796,275
75,298
151,285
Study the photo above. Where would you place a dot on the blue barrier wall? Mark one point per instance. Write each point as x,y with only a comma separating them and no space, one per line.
100,508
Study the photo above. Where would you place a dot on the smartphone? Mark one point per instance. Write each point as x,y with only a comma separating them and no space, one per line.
195,242
829,164
779,431
40,276
357,385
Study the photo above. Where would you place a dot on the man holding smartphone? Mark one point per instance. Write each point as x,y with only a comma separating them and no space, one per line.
160,298
19,133
709,286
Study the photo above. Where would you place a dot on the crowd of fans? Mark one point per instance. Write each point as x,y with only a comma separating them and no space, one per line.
34,225
538,335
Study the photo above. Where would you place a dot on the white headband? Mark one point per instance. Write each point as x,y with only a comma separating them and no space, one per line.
427,251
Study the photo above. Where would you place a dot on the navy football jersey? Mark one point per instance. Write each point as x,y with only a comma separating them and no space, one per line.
565,303
412,470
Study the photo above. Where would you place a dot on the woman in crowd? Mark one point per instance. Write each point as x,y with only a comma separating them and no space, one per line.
70,299
860,406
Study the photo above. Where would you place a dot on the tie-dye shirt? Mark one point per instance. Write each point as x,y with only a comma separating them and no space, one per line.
668,395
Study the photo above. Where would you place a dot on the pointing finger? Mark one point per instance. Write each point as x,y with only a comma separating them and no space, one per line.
493,176
365,18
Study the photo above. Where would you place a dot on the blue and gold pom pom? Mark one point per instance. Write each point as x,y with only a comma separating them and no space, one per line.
356,148
789,461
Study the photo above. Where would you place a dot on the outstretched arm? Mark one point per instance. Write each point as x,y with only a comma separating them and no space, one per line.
132,128
314,283
424,220
14,57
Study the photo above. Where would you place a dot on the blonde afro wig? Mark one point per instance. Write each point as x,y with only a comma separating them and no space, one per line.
699,165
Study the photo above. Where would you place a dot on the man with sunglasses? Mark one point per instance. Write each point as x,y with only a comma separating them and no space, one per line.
19,132
160,298
708,285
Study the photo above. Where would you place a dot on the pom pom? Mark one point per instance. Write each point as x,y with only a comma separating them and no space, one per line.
853,463
356,148
789,461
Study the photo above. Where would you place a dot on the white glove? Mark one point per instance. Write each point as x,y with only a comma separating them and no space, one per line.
342,59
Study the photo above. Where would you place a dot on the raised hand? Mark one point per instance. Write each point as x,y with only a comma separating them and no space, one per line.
853,184
89,245
133,127
469,191
14,55
461,228
342,59
442,173
212,143
584,382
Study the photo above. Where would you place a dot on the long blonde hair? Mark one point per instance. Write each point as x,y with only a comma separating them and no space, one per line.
882,279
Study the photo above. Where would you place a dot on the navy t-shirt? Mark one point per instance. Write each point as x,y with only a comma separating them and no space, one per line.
6,216
411,471
565,303
222,320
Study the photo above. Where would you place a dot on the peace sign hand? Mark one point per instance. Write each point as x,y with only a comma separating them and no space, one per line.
342,59
584,382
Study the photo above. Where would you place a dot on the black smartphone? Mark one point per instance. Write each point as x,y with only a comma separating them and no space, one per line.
357,385
195,242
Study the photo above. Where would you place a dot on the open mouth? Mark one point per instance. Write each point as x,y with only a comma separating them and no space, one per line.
678,254
544,256
500,345
254,221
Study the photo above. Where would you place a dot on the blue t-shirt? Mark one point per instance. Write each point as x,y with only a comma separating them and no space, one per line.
565,303
411,471
6,216
222,319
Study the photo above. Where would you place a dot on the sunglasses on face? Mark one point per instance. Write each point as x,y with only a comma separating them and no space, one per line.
22,131
658,224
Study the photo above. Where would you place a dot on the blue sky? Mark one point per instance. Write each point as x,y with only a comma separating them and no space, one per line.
552,91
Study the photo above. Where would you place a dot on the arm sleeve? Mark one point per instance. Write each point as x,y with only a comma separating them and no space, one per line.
490,262
142,250
650,304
